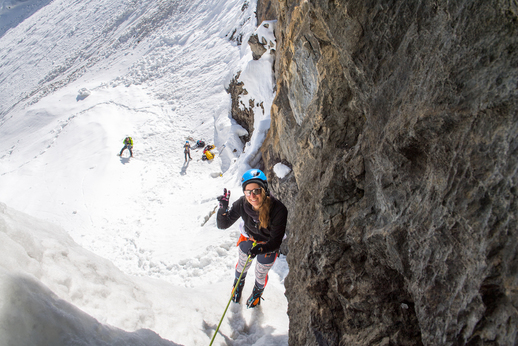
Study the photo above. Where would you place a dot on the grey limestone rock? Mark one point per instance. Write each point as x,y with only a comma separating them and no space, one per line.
400,122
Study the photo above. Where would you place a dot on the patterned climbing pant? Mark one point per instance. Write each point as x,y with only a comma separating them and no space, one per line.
262,267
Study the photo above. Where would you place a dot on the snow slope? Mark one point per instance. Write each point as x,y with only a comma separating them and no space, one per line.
129,242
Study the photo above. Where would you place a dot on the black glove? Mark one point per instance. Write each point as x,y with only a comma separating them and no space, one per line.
256,250
223,200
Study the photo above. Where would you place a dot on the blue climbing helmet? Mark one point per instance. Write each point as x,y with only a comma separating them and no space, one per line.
255,176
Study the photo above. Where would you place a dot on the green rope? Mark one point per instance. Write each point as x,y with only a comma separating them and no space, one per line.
235,287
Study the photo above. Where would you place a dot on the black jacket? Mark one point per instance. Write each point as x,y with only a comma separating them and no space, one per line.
272,235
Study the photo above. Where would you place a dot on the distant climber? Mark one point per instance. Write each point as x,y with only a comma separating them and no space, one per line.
128,144
209,147
187,150
207,154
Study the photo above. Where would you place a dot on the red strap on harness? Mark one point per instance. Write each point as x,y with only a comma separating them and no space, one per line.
243,238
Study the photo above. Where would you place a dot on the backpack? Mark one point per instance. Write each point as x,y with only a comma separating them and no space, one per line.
209,155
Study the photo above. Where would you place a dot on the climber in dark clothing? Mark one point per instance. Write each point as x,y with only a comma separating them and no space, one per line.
187,150
264,220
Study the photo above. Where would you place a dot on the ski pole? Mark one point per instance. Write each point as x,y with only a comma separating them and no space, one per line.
235,288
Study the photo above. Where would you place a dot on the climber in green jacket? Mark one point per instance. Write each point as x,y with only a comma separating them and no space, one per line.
128,144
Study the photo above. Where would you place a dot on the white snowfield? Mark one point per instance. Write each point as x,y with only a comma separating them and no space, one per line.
99,249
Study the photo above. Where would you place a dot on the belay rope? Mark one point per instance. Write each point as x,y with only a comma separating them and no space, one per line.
235,288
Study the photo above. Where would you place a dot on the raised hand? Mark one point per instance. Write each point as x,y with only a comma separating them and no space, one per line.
223,199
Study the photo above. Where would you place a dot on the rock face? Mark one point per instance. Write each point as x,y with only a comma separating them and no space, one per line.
400,121
265,11
258,48
243,114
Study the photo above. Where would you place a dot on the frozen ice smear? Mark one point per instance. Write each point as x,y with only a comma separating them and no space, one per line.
99,249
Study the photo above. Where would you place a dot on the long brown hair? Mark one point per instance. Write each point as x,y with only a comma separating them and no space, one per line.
264,210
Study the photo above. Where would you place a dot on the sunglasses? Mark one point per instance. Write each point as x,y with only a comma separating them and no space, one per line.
256,192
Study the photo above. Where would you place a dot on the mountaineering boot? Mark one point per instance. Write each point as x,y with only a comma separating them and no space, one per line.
236,297
255,297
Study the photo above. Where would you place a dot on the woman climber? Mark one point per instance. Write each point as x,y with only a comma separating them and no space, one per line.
264,222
